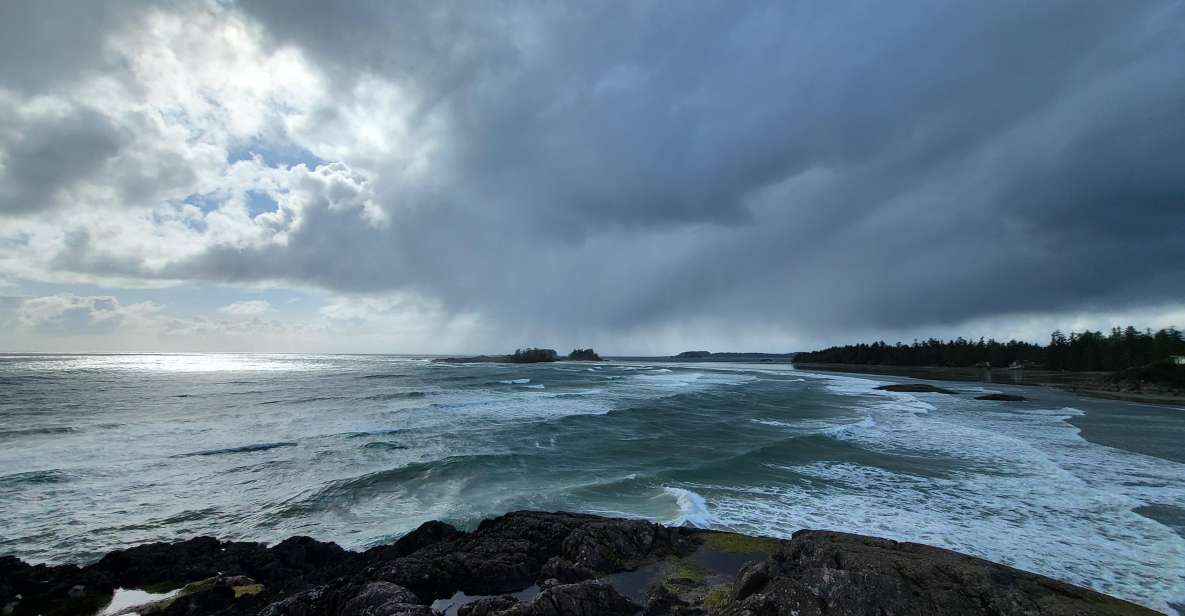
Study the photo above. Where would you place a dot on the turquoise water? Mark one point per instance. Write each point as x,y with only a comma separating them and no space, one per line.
99,452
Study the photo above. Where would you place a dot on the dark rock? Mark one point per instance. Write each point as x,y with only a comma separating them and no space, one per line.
923,388
614,545
381,599
589,598
300,560
1002,397
283,565
313,601
564,571
488,606
351,599
204,602
507,553
45,589
661,600
428,533
816,573
826,573
750,579
165,563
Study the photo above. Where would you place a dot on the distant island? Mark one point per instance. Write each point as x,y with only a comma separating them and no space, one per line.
584,355
524,356
1127,363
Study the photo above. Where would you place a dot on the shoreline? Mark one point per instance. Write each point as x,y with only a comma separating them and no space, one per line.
530,563
1076,383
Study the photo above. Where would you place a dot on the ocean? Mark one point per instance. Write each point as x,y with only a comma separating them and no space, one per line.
99,452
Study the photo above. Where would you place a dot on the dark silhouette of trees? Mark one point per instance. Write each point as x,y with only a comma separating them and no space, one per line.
1086,350
584,355
532,356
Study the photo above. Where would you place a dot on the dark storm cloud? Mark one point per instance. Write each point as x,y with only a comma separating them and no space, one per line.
807,166
48,154
44,43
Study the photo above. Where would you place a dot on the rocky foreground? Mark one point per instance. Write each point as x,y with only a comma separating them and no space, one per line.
549,564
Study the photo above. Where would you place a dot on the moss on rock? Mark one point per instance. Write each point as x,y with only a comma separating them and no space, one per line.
739,544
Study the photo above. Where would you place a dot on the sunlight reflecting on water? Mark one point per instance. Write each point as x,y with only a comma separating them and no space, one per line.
195,362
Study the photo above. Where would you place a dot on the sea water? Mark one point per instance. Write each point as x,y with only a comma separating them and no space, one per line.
102,452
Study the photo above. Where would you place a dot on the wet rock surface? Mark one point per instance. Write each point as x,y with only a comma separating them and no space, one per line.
580,565
1002,397
917,388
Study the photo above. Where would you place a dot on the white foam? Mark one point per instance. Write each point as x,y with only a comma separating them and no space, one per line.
526,402
846,430
773,422
683,380
693,509
857,386
1021,487
521,403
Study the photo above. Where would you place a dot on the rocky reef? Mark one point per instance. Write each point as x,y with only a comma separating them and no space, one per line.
1002,397
549,564
917,388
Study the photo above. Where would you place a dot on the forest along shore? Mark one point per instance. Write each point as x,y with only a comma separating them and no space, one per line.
548,564
1095,384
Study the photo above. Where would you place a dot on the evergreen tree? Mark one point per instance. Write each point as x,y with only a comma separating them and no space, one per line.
1085,351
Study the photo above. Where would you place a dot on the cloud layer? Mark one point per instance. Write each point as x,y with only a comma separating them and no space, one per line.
618,172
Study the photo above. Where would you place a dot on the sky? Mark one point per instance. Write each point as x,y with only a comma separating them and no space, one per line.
640,177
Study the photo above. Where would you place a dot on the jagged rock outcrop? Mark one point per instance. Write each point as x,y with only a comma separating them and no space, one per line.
508,553
827,573
351,599
558,564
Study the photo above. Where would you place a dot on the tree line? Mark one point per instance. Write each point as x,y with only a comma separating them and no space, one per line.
1087,350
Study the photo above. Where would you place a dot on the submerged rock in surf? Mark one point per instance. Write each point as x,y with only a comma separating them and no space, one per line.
1002,397
916,388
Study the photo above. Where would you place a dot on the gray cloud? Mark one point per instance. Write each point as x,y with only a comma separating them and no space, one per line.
810,168
48,42
51,153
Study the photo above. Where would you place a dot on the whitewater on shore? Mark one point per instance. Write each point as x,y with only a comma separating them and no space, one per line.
101,452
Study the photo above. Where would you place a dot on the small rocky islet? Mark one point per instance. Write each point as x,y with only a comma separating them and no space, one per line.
523,356
551,564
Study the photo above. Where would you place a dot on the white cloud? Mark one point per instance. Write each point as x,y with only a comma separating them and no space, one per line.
136,172
70,314
248,308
